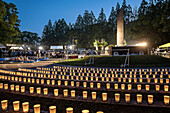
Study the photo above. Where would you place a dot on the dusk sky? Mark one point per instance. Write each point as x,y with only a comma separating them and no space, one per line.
35,14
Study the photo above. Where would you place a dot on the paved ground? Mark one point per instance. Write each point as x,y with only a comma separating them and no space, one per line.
28,65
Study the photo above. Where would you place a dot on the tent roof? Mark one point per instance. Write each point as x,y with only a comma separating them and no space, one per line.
165,45
2,46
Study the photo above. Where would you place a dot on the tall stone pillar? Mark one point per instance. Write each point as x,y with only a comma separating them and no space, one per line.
120,27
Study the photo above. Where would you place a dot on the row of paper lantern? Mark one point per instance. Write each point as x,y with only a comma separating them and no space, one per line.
52,82
111,69
15,78
37,107
73,92
94,72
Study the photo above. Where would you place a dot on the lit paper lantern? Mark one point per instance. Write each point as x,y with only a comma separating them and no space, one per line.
123,86
37,108
99,112
167,81
91,85
42,81
12,87
55,92
84,94
147,87
4,104
139,98
52,109
66,83
65,92
77,84
1,85
16,105
45,91
116,86
38,90
84,84
166,99
104,96
127,98
33,80
17,88
6,86
139,87
108,85
73,93
53,82
161,80
69,110
157,87
98,85
150,99
85,111
166,88
59,83
31,90
72,83
25,107
22,89
129,86
93,95
48,82
117,97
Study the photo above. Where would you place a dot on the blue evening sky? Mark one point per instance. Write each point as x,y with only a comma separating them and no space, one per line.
35,14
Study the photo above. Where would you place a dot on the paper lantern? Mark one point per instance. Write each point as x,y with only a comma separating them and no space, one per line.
29,80
55,92
117,97
98,85
91,85
135,80
99,112
69,110
148,80
37,108
127,98
12,87
4,104
9,78
166,88
123,86
33,80
104,96
161,80
16,105
97,78
59,83
72,83
52,109
119,79
31,90
85,111
42,81
140,80
91,78
22,89
84,84
167,81
16,78
150,99
17,88
65,92
166,99
129,86
147,87
73,93
156,80
1,86
77,84
139,98
25,107
84,94
116,86
108,85
157,87
38,90
66,83
53,82
124,79
93,95
45,91
139,87
6,86
48,82
37,81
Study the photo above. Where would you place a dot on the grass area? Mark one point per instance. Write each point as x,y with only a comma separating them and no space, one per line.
116,61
